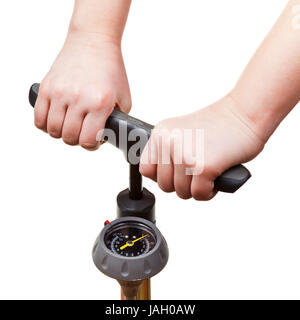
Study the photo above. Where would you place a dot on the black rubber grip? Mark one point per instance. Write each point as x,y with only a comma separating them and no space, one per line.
229,182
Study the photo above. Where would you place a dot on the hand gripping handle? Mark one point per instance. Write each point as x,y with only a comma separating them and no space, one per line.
122,124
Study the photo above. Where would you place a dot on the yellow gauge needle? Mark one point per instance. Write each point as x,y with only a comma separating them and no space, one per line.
131,243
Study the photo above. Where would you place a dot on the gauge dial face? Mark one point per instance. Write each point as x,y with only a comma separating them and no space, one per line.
130,239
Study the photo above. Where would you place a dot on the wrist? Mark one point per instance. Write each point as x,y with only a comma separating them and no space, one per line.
96,37
105,19
96,40
231,105
254,113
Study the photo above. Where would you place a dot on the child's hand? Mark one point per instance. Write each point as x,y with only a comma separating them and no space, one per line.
80,91
237,127
229,139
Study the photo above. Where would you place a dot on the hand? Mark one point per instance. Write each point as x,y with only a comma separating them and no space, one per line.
80,91
178,164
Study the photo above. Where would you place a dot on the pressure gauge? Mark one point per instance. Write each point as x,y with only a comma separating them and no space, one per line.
130,249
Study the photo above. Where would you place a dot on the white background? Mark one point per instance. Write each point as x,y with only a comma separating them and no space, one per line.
180,55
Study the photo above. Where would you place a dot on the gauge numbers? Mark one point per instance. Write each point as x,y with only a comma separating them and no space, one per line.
130,240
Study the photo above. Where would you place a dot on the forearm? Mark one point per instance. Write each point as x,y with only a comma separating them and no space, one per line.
103,18
269,88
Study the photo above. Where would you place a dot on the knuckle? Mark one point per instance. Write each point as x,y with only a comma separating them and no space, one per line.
89,147
183,196
58,91
88,144
201,194
44,89
54,130
198,194
195,169
75,95
183,190
70,140
206,170
125,104
206,198
161,136
99,101
88,140
39,120
168,188
210,169
176,138
181,186
143,169
128,106
55,135
39,123
199,197
147,170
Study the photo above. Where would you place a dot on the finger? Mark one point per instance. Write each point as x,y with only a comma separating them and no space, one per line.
72,125
93,123
182,182
202,189
124,103
95,147
149,159
165,167
56,117
165,177
41,111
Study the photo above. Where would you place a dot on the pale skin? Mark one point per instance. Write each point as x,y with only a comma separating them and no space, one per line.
237,127
88,79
